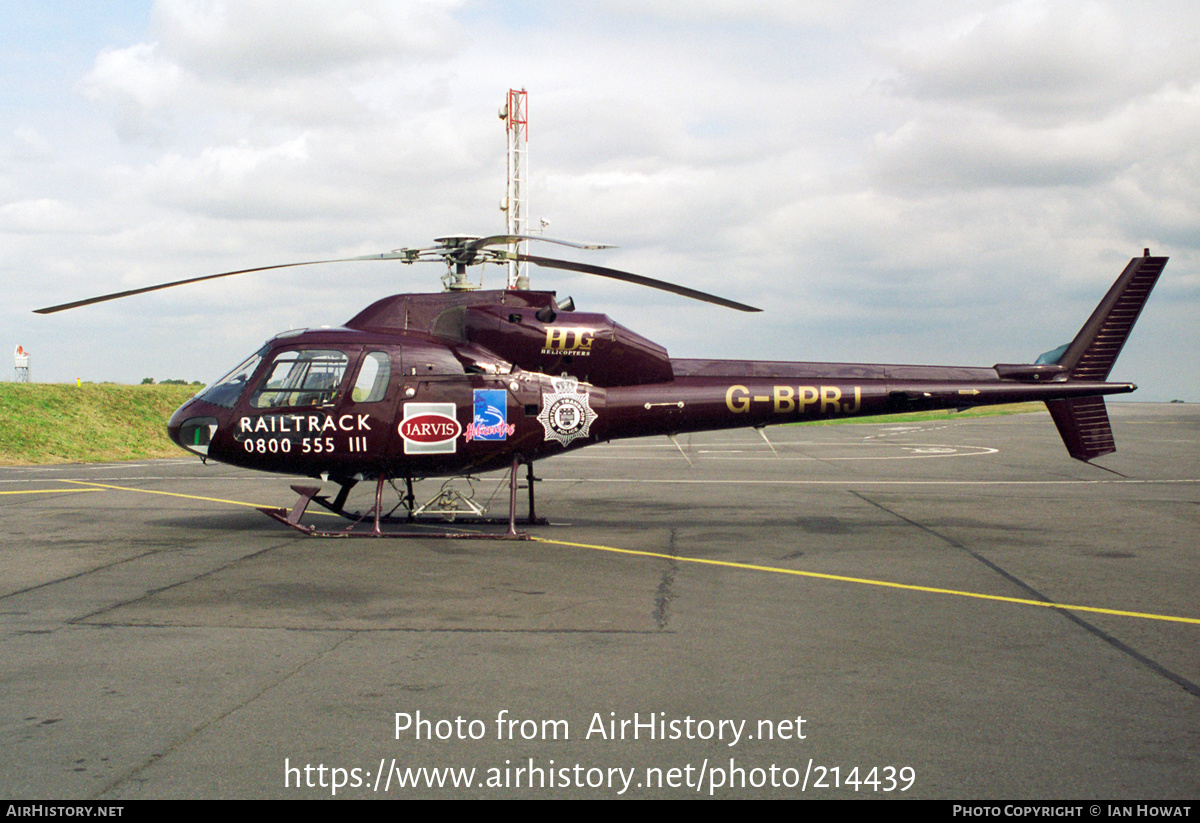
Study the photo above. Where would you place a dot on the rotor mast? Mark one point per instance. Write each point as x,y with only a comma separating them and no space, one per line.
515,115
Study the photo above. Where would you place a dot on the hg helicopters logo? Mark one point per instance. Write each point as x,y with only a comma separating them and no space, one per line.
569,340
566,414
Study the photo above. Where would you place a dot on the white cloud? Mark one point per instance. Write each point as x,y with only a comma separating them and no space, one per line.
256,40
29,144
137,81
233,181
982,150
1032,59
44,215
886,169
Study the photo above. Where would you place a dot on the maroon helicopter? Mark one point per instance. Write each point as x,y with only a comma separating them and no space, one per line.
466,381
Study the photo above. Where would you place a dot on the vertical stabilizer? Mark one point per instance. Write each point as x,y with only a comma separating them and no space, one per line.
1091,355
1083,422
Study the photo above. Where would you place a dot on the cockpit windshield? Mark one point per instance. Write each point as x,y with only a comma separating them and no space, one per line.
226,391
303,377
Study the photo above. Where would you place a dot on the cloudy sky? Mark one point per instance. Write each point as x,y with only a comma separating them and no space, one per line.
926,182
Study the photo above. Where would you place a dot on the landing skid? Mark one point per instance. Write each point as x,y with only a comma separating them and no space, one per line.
447,502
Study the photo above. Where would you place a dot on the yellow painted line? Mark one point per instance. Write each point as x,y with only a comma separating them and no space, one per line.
53,491
99,486
102,486
730,564
867,582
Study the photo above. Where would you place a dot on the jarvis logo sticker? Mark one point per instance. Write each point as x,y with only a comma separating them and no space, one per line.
566,414
491,416
430,428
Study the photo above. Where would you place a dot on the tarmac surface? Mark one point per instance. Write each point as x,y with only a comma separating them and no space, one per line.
935,610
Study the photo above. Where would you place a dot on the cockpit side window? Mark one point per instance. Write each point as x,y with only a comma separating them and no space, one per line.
373,375
305,377
226,391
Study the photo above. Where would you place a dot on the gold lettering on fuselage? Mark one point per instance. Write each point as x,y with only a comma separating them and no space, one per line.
857,401
740,403
785,399
830,395
795,399
569,340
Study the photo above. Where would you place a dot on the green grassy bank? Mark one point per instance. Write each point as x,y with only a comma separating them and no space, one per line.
54,423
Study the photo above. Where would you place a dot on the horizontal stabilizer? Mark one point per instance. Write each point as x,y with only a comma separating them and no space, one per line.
1083,424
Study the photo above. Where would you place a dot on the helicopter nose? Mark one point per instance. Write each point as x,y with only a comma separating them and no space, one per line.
192,431
194,434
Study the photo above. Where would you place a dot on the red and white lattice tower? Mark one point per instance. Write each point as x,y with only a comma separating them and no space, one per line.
516,119
21,360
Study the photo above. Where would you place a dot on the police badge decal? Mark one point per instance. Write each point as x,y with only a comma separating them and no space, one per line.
566,414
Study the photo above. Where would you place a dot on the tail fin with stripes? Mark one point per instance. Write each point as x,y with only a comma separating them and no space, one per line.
1083,422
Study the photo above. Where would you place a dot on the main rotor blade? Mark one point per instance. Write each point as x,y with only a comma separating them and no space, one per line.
396,255
509,239
616,274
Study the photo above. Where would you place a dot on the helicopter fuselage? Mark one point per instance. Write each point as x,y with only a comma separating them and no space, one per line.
426,385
